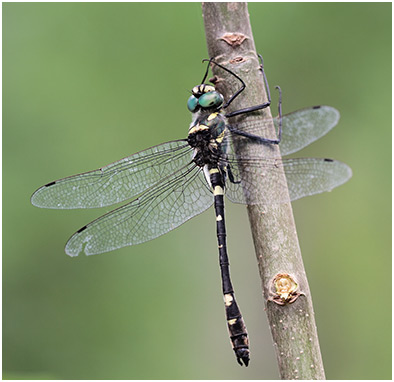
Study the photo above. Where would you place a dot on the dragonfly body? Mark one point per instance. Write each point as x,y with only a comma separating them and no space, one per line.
175,181
206,136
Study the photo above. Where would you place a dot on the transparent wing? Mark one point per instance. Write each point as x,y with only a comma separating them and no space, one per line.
310,176
303,177
164,207
299,129
116,182
305,126
262,168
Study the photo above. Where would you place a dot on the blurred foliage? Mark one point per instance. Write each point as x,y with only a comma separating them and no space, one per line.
85,84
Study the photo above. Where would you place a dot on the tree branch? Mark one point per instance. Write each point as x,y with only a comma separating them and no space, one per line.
286,292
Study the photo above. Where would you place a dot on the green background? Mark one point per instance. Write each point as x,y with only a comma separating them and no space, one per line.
87,84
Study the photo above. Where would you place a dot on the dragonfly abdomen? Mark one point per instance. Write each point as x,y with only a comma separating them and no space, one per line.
235,322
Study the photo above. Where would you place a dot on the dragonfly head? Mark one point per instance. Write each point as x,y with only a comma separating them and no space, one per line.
204,97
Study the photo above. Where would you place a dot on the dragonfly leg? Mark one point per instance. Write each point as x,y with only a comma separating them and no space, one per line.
238,92
263,106
254,137
206,72
231,175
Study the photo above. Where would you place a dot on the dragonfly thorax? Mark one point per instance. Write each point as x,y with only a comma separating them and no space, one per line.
205,136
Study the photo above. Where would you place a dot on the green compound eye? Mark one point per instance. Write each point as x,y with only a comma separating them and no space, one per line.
211,99
192,103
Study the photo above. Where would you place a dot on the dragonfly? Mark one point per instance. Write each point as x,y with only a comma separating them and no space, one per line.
174,181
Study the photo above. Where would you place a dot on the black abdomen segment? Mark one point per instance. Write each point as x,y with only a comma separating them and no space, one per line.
235,323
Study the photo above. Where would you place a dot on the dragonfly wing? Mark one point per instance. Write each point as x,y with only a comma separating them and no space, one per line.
303,177
250,175
162,208
310,176
299,129
305,126
117,181
259,169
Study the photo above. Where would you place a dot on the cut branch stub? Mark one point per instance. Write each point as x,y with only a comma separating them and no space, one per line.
284,289
234,39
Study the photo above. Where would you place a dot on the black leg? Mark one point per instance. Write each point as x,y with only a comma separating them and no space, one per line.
238,92
257,107
248,109
206,72
260,107
243,86
231,175
251,108
267,87
279,113
258,138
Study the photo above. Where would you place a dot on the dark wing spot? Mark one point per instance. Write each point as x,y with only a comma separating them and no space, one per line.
316,107
50,184
328,160
82,229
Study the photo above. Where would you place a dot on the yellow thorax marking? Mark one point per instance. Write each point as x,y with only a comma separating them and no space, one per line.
198,127
219,139
213,170
212,116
